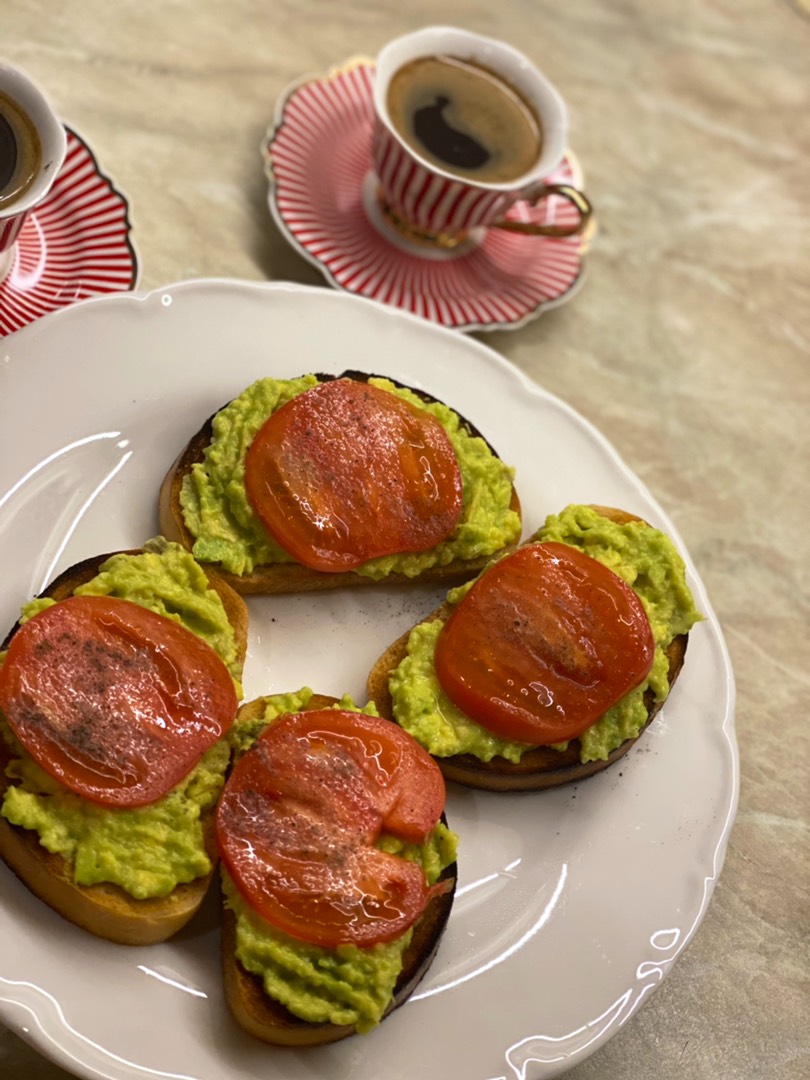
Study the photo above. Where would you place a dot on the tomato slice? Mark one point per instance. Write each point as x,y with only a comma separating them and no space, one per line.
543,644
114,701
299,815
346,472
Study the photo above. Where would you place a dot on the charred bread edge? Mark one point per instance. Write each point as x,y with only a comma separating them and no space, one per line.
276,578
106,910
261,1016
539,768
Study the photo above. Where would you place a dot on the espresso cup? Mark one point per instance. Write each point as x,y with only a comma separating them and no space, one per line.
32,149
466,127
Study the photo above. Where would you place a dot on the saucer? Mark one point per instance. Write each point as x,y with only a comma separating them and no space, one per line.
74,245
322,195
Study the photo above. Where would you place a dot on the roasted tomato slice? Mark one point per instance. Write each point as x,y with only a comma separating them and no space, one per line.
346,472
543,644
299,815
115,702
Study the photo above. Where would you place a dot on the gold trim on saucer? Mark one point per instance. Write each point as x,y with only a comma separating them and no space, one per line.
417,235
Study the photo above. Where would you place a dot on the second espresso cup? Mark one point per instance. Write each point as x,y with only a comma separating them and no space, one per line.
32,148
465,127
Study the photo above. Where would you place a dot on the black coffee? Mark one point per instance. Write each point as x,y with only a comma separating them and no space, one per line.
20,151
464,119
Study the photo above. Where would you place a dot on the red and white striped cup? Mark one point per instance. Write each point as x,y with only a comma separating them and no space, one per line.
432,203
20,90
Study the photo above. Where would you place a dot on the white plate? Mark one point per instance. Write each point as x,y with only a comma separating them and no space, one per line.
572,904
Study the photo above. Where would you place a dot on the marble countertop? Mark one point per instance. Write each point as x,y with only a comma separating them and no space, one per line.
688,346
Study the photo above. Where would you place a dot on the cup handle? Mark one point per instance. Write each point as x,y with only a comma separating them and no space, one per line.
574,196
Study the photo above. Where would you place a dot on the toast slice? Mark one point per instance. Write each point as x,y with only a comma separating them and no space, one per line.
542,766
267,1019
292,577
106,910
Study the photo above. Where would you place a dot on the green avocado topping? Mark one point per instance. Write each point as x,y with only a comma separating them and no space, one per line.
150,850
643,557
217,512
346,985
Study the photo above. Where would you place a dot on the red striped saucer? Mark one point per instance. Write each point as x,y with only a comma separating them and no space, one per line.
322,196
75,245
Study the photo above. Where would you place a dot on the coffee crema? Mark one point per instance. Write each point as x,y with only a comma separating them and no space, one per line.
20,151
464,118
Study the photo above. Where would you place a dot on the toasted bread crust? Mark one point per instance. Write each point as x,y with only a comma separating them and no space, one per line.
277,578
107,910
270,1021
541,767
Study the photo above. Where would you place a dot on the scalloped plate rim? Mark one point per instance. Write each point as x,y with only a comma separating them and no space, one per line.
303,318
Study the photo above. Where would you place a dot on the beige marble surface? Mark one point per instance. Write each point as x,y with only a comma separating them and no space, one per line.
689,346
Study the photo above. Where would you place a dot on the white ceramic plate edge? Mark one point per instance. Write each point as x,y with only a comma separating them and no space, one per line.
51,1033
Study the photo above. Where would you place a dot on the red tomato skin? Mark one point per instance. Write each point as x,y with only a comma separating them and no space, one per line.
347,472
299,815
543,644
112,700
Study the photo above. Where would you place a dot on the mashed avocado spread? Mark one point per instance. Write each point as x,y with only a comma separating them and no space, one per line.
150,850
347,985
217,512
643,557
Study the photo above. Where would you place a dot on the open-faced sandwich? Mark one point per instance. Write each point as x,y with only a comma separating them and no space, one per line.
548,666
321,481
338,868
118,687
